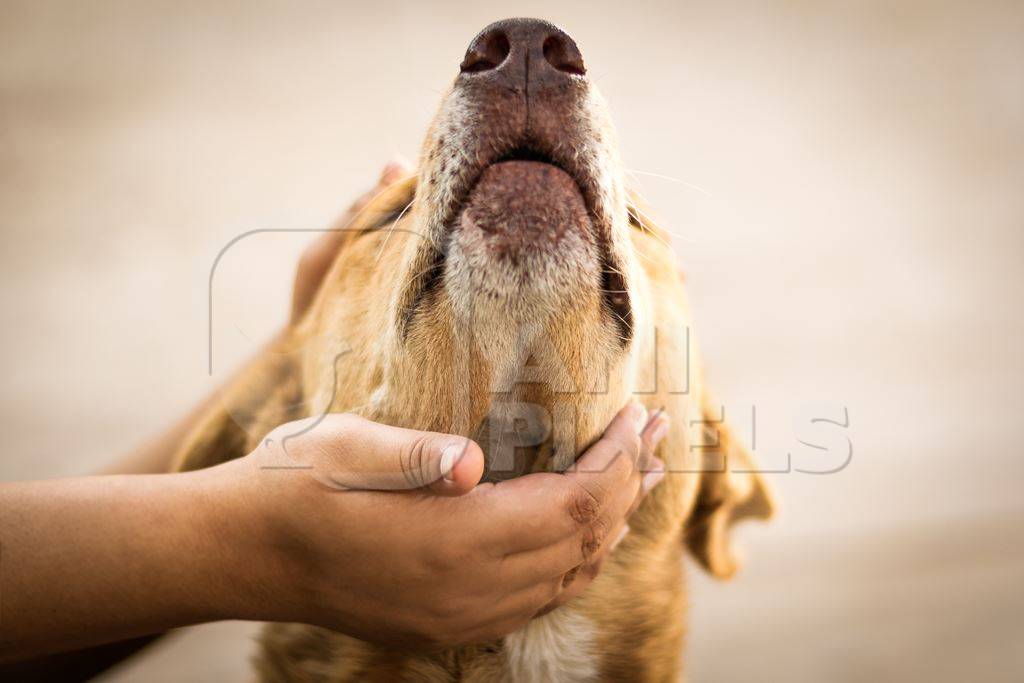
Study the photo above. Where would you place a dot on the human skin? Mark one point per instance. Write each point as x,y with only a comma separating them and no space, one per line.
96,559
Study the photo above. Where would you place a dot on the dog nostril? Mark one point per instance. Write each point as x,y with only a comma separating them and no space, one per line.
562,53
487,52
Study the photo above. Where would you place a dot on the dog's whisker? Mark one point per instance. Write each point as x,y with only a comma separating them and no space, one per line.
421,273
635,213
372,200
646,224
648,221
394,223
615,270
624,322
698,188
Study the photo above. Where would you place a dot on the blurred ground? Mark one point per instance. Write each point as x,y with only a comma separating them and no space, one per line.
856,239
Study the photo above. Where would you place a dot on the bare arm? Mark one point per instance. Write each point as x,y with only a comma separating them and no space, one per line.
96,559
155,456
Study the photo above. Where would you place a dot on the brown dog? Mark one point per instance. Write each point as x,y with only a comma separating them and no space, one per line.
513,292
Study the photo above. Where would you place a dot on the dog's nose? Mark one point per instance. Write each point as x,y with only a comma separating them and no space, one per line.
526,51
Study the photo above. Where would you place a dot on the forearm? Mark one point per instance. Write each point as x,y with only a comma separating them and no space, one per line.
91,560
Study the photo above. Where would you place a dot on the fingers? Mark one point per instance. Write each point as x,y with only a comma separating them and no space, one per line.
652,469
513,612
578,583
349,452
580,507
615,453
607,477
597,510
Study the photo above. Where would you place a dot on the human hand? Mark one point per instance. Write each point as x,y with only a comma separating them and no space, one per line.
319,255
405,566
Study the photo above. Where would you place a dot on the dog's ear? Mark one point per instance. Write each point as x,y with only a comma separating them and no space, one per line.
265,394
731,489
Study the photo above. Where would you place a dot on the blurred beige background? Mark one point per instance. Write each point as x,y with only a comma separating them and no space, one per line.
856,239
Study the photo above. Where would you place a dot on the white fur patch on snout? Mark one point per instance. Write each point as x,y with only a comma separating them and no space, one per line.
556,648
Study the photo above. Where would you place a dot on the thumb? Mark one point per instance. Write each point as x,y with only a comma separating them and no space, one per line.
350,452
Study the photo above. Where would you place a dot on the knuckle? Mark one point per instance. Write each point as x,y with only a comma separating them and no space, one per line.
593,538
583,506
414,460
444,558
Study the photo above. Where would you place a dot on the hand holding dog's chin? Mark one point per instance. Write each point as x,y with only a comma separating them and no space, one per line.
402,565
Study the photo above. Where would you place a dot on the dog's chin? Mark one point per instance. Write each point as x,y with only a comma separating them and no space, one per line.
523,237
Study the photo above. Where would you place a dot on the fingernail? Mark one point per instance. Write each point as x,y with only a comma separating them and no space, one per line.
640,414
449,456
652,479
622,535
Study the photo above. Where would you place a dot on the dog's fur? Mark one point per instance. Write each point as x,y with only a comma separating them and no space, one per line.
422,323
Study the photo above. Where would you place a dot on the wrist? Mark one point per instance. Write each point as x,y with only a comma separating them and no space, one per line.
227,543
256,559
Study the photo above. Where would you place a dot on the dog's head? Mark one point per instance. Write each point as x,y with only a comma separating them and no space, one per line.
513,291
510,310
521,198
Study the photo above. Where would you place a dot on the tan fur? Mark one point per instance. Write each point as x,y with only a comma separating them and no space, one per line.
464,361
